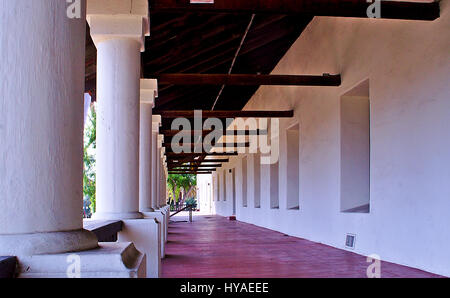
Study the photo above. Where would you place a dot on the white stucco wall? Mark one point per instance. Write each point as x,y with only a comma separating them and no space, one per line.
408,65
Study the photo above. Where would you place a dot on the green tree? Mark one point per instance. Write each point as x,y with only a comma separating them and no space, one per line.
181,187
89,160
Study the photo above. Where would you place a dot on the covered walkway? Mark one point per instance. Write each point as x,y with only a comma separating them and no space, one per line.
213,246
312,118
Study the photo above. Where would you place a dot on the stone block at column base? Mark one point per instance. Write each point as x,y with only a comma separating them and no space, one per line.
47,243
162,223
109,260
146,236
117,215
165,210
149,209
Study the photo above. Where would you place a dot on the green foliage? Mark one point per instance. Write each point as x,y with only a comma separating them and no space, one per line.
89,159
181,187
192,203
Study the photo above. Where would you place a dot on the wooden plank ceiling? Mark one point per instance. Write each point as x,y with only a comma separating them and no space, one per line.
202,43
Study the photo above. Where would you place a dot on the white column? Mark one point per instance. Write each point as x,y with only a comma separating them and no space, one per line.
159,169
157,214
41,129
118,29
165,182
149,91
162,179
164,197
156,123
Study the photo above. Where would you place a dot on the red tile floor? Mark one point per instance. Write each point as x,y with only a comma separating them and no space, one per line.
213,246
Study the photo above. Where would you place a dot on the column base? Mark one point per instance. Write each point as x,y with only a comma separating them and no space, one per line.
47,243
117,216
165,210
109,260
160,218
149,209
146,236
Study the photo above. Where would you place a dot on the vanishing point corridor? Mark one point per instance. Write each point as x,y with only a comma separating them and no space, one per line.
214,246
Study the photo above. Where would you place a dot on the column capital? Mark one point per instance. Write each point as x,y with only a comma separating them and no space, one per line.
149,91
112,19
156,122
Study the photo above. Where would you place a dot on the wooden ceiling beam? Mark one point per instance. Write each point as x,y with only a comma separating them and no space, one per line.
218,145
227,114
182,155
247,79
171,161
189,173
171,133
191,169
173,166
176,165
215,160
330,8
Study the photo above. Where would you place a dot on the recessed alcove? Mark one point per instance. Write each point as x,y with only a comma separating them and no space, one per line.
355,150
